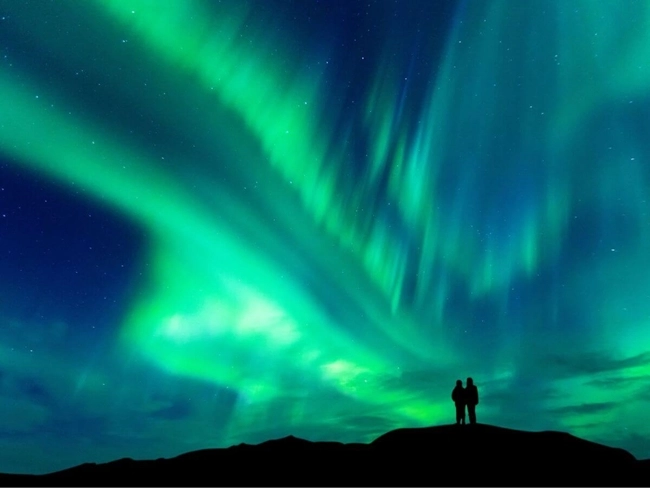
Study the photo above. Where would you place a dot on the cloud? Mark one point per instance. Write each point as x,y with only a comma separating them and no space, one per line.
433,381
19,385
590,363
25,404
74,426
176,411
584,408
615,383
519,393
35,391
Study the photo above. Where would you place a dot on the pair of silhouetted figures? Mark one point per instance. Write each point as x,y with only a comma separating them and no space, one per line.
465,397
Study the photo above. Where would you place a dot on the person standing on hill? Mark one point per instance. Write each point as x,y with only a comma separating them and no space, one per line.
471,397
458,396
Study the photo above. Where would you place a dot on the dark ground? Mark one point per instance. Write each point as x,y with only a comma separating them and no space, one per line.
472,455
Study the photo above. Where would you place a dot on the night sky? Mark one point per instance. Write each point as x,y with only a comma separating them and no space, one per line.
232,221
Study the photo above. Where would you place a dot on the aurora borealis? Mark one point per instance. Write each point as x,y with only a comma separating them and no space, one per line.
232,221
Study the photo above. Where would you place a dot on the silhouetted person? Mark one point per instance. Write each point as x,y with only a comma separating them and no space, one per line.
471,397
458,396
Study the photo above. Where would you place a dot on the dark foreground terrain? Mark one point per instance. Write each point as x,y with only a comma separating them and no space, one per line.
478,455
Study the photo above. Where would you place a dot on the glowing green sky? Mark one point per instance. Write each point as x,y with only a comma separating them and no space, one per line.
312,219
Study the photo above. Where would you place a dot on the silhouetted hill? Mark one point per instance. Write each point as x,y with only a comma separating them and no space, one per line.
479,455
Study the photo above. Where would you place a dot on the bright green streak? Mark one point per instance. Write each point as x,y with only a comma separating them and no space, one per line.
283,113
218,307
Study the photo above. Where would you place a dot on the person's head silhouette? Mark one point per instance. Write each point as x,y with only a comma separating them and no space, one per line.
470,381
459,383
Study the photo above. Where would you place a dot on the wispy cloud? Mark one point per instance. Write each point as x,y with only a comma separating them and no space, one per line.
175,411
589,363
585,408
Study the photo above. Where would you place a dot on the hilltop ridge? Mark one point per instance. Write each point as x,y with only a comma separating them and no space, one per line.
448,455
